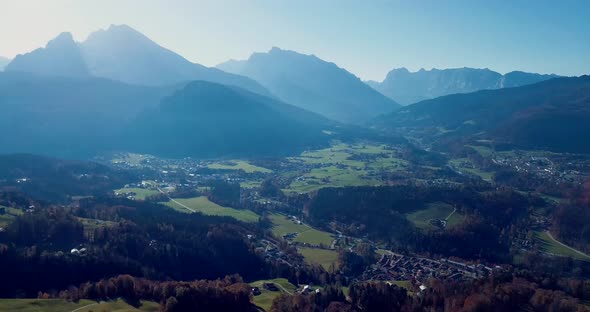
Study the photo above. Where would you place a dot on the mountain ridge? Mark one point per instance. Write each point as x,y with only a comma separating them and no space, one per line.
60,57
123,54
535,116
3,62
411,87
313,84
206,119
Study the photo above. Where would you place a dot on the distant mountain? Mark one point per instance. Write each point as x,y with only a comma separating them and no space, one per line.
313,84
206,119
68,116
407,87
551,115
3,62
123,54
61,57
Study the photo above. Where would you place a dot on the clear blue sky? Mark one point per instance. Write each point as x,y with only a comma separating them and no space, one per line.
367,38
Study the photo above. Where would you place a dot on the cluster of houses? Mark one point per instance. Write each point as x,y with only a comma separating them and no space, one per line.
271,253
543,167
394,267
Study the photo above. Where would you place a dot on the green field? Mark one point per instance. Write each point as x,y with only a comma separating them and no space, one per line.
315,237
482,150
250,184
485,175
238,165
282,225
203,205
344,165
59,305
551,246
437,210
265,299
140,193
130,158
324,257
91,224
9,215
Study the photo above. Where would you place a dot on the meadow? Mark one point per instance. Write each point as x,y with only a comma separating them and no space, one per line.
306,234
459,164
140,193
324,257
421,218
264,300
550,245
238,165
9,215
343,165
203,205
59,305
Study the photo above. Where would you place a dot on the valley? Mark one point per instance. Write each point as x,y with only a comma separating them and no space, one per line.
321,175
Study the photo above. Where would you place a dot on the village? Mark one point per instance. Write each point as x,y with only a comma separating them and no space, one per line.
396,267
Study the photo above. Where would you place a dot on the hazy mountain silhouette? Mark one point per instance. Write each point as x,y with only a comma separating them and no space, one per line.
313,84
206,119
61,57
407,87
124,54
551,115
68,116
3,62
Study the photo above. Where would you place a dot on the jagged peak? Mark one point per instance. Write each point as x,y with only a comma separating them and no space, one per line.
122,32
64,38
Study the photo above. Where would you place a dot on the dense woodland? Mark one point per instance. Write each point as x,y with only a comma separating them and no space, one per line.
142,239
499,293
379,213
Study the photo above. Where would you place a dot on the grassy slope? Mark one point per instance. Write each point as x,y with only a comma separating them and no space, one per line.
282,225
338,170
203,205
141,194
420,218
487,176
10,214
551,246
323,257
265,299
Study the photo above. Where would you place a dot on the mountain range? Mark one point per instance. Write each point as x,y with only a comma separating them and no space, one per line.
123,54
79,117
3,62
118,90
549,115
407,87
313,84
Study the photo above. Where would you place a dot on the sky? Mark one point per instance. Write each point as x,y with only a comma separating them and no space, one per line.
368,38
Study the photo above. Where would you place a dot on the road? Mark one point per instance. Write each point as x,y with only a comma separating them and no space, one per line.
451,214
178,203
566,246
86,306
